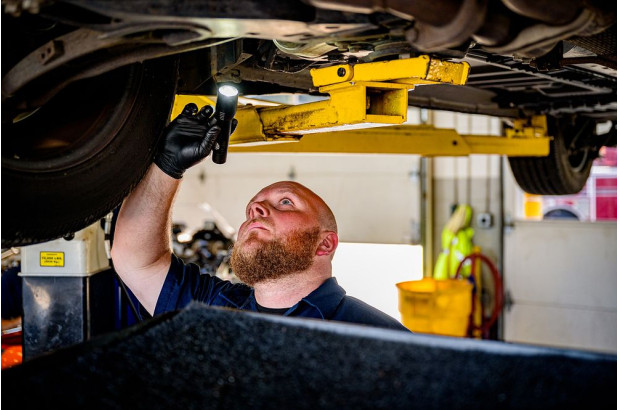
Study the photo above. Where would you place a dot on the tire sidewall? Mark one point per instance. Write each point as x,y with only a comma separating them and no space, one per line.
39,206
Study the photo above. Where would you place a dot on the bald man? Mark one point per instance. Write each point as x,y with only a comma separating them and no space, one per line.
283,252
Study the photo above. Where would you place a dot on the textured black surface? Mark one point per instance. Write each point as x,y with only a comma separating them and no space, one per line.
212,358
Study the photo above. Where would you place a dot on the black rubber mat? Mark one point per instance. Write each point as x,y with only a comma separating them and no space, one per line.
203,358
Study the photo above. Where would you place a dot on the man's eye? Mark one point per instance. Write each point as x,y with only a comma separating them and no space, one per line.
286,201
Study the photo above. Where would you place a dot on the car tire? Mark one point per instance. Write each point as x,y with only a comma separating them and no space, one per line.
76,158
567,168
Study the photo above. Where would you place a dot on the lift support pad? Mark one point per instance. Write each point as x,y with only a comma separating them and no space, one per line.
203,358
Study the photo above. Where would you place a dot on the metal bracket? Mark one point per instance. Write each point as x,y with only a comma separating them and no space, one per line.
532,127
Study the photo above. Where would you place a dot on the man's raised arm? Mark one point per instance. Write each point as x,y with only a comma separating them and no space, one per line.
141,249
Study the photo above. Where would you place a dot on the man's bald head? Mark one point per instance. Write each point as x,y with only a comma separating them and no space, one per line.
323,213
288,229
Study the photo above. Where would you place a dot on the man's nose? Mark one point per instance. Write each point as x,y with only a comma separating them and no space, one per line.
258,209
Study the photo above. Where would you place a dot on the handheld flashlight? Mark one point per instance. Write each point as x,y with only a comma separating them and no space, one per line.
225,110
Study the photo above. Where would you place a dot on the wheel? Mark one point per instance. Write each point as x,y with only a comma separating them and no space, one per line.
567,167
76,158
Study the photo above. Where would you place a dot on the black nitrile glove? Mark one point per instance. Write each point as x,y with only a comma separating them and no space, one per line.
187,140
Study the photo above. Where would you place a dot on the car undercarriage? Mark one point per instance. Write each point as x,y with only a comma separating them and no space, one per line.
86,79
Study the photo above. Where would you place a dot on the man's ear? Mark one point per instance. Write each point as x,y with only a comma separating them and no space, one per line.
328,244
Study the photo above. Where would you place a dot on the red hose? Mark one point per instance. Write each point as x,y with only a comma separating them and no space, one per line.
499,291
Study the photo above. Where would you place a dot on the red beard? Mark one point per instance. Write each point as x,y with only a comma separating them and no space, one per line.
276,258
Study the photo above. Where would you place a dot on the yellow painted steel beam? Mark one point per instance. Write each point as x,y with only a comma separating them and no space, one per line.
405,139
359,103
511,147
349,104
366,95
370,94
418,70
530,139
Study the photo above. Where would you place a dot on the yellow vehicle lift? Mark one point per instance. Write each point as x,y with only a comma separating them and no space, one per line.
407,139
362,96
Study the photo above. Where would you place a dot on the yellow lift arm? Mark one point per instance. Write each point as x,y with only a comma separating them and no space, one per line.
407,139
362,96
371,93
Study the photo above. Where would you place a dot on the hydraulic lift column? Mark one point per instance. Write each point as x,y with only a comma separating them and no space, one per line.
68,292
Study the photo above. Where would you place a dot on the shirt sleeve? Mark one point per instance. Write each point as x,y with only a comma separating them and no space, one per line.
184,283
11,294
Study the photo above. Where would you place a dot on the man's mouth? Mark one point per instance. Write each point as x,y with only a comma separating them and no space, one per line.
256,226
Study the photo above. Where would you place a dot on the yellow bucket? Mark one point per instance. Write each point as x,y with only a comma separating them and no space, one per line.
435,306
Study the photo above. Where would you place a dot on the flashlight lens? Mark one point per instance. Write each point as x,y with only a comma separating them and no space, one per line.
228,90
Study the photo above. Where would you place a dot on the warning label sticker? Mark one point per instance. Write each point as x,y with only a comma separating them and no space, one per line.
53,259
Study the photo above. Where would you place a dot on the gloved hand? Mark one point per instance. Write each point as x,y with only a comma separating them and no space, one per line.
187,140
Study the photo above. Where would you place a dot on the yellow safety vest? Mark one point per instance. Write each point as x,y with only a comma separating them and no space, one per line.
455,246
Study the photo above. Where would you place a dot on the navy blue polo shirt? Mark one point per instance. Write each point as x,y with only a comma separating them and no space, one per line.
184,283
12,293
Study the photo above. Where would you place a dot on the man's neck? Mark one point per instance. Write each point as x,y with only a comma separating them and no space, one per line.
286,292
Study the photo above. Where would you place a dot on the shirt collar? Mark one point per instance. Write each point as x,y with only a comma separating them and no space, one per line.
326,298
320,303
240,297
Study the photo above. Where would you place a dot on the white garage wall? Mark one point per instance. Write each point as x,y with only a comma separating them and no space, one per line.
371,271
561,277
375,197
